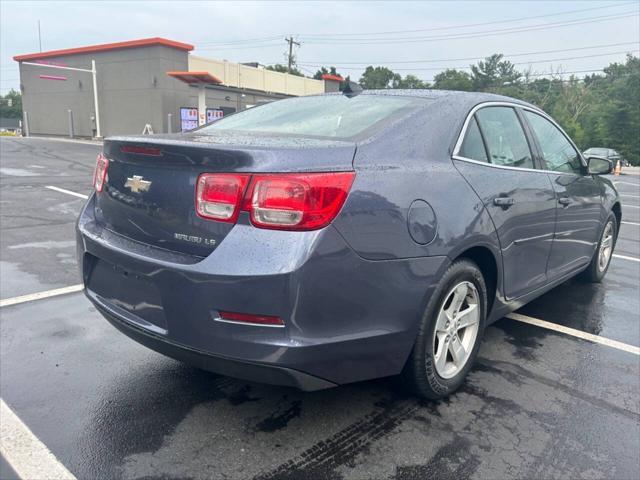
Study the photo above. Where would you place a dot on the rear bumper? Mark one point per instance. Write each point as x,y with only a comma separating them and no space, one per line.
255,372
346,319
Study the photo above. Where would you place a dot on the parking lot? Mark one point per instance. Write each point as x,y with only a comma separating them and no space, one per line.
542,402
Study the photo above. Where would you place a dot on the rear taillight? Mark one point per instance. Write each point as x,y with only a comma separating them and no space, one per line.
281,201
100,173
219,195
297,201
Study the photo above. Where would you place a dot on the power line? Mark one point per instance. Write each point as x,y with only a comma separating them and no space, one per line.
480,57
486,33
247,40
317,38
467,66
239,48
472,24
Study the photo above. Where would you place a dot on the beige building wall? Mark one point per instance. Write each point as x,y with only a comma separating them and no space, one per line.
242,76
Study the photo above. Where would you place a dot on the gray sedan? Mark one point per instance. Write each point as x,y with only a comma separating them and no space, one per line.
329,239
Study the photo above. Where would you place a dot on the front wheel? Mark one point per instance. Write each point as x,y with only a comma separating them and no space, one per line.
601,259
449,336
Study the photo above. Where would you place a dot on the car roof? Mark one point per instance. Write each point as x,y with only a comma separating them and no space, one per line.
453,97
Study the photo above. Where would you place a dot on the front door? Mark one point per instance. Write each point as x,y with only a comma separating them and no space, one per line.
579,217
519,199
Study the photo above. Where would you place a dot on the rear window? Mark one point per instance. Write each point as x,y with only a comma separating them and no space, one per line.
333,116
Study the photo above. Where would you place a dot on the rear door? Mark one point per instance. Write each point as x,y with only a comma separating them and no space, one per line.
578,195
496,159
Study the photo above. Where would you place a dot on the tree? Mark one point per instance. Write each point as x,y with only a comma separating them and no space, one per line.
283,69
452,79
411,81
324,71
15,109
493,72
379,77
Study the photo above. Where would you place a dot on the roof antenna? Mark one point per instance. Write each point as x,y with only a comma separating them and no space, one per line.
351,89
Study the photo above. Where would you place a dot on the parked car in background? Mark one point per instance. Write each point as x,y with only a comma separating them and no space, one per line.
608,153
322,240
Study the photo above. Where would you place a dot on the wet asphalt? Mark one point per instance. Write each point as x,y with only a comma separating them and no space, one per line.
539,404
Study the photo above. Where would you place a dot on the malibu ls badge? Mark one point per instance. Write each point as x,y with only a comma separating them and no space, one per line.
137,184
194,239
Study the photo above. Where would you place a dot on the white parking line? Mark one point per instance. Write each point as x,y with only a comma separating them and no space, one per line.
575,333
68,192
625,257
28,456
630,223
626,205
40,295
630,196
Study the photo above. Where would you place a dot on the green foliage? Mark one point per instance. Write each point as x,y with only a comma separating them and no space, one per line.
598,111
493,71
411,81
452,79
15,110
379,77
325,71
283,69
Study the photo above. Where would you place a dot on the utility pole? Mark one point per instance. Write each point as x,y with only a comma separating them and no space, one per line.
39,36
291,43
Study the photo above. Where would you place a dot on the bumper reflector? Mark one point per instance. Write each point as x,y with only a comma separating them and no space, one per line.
248,318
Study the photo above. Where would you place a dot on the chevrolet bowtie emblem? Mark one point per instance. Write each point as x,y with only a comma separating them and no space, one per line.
136,184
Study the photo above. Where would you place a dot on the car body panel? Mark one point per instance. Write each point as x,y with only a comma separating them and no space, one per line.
579,223
526,229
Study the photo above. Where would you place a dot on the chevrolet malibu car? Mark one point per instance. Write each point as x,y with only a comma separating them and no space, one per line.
322,240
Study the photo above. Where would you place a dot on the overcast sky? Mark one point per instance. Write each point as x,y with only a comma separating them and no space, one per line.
336,33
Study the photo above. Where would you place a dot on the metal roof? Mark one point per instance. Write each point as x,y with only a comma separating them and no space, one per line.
105,47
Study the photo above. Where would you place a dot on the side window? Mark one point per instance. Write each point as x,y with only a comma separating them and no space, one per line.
506,141
559,155
473,146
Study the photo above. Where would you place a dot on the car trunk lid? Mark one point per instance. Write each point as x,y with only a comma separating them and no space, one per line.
149,194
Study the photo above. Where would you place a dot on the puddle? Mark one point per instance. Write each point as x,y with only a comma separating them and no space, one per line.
14,281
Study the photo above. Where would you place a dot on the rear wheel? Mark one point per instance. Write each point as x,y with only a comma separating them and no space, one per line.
601,259
450,333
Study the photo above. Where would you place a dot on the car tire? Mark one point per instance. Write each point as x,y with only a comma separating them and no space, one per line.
433,376
598,267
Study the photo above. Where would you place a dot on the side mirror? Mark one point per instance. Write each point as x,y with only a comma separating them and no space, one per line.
599,166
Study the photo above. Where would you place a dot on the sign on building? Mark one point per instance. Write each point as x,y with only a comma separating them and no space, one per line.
188,118
214,114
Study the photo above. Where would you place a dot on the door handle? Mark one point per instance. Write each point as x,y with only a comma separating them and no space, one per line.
504,202
564,201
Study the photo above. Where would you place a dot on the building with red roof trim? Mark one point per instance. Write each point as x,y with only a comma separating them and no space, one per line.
145,84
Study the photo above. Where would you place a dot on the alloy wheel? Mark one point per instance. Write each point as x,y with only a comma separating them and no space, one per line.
456,329
606,247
